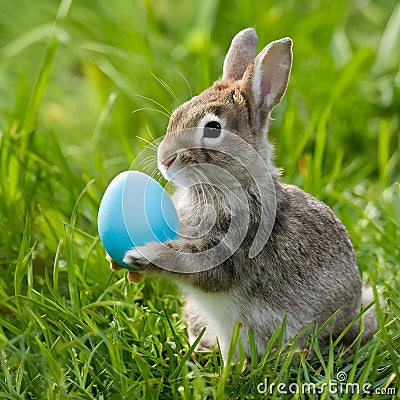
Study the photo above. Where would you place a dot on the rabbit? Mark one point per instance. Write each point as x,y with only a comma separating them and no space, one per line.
279,251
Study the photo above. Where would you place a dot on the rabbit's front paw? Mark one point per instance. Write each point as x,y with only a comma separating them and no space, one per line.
135,258
133,276
145,258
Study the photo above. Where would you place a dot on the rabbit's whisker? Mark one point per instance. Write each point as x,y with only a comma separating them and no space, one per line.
150,144
154,102
150,166
151,109
187,83
148,162
150,158
156,174
166,87
149,132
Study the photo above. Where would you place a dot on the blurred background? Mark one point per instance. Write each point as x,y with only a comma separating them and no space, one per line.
82,80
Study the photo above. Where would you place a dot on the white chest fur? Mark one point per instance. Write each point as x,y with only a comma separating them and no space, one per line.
218,312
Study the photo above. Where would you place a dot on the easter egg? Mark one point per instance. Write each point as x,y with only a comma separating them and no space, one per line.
135,210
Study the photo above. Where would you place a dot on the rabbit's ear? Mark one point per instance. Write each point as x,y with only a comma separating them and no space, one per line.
241,52
267,76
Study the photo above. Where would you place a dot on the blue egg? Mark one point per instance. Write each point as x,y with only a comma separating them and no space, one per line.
135,210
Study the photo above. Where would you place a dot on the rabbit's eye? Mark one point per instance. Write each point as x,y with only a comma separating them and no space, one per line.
212,129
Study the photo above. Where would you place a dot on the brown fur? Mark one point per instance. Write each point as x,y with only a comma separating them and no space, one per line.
306,268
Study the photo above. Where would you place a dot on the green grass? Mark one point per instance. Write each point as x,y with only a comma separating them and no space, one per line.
71,75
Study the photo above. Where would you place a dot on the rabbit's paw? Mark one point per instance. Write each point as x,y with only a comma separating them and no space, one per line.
133,276
135,258
145,258
142,258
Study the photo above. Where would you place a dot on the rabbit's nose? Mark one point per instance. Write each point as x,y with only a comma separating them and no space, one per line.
168,161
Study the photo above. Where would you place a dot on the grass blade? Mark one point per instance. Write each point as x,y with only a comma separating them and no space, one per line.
228,363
